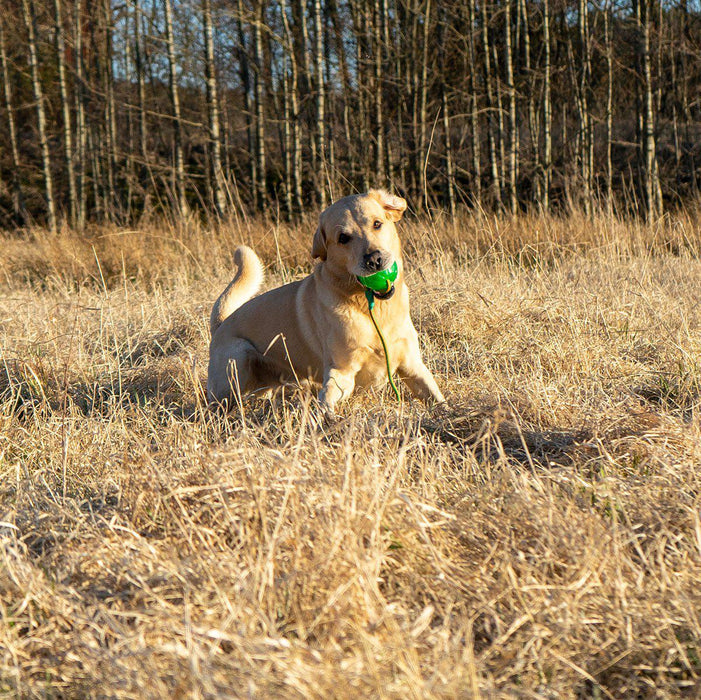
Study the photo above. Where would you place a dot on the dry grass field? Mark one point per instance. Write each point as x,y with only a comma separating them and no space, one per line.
539,538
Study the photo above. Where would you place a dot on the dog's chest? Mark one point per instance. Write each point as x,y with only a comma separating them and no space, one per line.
371,357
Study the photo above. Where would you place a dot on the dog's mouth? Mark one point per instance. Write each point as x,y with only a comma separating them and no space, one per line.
381,282
384,295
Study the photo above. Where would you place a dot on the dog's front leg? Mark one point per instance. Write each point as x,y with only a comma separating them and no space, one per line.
418,377
338,385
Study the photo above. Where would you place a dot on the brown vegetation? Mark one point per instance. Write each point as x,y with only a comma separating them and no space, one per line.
539,538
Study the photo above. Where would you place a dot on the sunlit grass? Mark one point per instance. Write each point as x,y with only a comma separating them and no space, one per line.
541,537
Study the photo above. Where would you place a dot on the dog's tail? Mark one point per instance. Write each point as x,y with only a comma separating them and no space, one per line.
246,282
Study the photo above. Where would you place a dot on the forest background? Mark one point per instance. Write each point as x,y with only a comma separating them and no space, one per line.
112,111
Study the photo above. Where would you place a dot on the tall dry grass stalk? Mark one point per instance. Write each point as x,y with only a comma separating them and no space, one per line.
539,538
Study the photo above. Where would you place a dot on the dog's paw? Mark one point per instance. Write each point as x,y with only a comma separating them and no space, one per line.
442,410
322,418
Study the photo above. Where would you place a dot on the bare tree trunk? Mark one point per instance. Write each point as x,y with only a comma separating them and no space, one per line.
360,24
330,97
547,109
449,170
261,185
320,103
296,156
609,105
175,100
287,133
474,110
501,131
532,119
377,92
29,20
129,174
448,146
489,84
652,185
585,138
345,80
389,159
80,126
423,102
513,133
96,173
65,108
109,115
141,89
306,87
218,194
17,198
245,73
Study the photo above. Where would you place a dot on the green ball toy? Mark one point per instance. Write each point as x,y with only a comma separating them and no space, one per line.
381,281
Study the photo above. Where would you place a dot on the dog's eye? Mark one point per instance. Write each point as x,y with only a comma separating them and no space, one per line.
377,224
343,238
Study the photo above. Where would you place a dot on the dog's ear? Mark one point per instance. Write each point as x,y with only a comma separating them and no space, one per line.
319,243
393,205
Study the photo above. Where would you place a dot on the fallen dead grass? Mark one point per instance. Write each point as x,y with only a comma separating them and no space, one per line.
539,538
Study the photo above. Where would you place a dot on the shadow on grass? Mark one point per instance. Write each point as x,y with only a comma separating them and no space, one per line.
490,434
32,390
170,389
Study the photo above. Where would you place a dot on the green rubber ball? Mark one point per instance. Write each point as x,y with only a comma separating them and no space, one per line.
380,281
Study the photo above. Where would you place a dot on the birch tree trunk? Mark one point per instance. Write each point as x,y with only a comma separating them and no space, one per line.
287,134
650,175
258,79
474,109
141,89
80,126
296,155
179,165
533,128
346,84
449,170
423,102
306,80
609,104
29,20
218,195
501,131
511,92
66,112
585,137
246,83
445,109
320,176
547,109
489,85
377,92
109,115
17,199
359,17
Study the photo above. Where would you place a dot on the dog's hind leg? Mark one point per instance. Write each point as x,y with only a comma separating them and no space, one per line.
231,371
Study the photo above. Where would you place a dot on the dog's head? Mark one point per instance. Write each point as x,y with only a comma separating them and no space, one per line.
357,233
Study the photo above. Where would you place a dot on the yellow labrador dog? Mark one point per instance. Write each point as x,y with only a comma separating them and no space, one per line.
319,328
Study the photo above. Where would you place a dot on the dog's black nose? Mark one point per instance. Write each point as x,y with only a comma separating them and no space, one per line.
374,260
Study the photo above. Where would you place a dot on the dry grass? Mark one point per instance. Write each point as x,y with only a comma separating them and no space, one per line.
540,538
